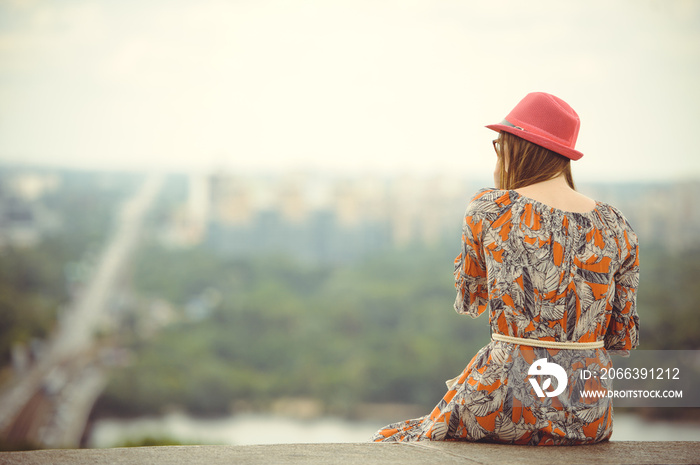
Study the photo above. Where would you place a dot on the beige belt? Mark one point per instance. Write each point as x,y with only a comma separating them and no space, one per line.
547,344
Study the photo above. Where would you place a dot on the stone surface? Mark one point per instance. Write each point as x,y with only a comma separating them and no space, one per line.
368,453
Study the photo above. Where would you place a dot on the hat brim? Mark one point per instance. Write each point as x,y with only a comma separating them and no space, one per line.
539,140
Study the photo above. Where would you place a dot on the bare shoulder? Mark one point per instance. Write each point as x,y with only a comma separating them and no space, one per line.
582,201
559,197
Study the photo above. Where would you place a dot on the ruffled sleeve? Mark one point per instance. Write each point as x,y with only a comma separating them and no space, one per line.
469,266
622,332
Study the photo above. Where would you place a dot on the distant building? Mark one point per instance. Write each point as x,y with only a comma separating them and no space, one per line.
317,218
23,217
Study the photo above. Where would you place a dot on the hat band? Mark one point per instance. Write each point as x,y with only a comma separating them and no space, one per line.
505,122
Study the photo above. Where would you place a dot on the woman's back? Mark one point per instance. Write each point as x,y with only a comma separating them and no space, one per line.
548,274
545,275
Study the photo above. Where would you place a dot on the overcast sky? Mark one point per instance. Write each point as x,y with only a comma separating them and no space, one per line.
344,85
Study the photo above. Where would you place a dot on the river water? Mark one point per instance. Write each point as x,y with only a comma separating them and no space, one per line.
252,429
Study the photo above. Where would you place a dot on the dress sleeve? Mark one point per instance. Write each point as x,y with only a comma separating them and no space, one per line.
622,333
470,268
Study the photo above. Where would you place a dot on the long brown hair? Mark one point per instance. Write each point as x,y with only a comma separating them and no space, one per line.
529,163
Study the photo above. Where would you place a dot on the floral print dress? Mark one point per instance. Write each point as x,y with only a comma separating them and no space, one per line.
546,274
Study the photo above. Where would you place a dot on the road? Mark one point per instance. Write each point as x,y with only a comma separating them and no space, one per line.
79,324
68,355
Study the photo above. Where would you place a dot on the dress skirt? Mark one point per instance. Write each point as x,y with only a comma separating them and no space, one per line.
494,401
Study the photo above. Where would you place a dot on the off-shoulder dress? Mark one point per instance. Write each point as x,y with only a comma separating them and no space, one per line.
548,275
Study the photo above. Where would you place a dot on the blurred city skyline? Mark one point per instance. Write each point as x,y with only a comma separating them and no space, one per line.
345,86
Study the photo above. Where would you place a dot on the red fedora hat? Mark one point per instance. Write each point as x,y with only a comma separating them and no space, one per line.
545,120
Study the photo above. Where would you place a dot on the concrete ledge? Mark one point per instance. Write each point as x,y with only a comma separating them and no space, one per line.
368,453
